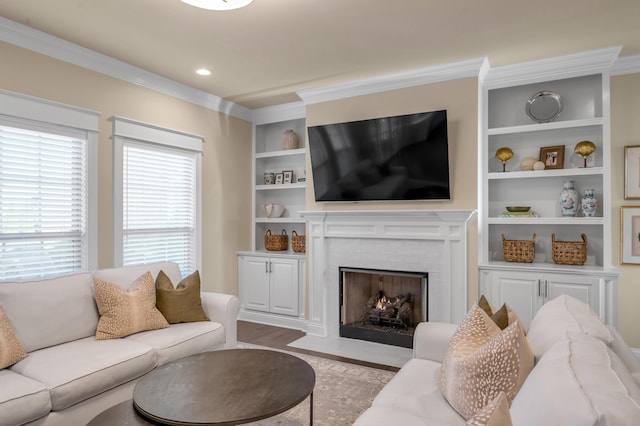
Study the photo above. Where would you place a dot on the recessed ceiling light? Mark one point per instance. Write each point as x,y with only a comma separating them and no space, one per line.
203,71
218,4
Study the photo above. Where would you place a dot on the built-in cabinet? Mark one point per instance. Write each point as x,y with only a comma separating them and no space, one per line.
582,81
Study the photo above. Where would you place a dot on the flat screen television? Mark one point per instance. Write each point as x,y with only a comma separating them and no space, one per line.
403,157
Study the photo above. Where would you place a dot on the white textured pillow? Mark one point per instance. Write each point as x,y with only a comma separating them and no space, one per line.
482,361
578,382
562,315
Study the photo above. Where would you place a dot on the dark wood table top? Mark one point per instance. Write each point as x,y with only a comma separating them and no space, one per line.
224,387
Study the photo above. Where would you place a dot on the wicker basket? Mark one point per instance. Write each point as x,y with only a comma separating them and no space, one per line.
298,242
276,242
569,252
519,250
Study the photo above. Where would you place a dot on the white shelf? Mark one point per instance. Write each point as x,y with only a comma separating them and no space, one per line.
538,127
280,220
281,153
546,221
300,185
589,171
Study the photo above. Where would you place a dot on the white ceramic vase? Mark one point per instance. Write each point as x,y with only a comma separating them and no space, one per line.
568,199
589,203
273,210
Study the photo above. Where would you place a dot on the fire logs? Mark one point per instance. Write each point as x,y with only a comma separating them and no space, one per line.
396,311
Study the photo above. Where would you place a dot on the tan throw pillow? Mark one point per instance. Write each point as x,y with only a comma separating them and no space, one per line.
182,303
11,350
124,312
481,361
502,317
496,413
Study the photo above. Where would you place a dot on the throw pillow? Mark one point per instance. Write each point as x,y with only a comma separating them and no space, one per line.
124,312
182,303
496,413
502,317
481,361
11,351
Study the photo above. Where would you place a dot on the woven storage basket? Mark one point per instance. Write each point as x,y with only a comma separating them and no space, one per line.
569,252
519,250
276,242
298,242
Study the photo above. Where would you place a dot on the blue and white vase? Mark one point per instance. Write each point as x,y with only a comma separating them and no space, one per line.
568,199
589,203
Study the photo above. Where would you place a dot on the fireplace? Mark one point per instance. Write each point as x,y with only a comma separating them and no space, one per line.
382,306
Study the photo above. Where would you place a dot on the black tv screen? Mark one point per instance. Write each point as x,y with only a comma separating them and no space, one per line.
403,157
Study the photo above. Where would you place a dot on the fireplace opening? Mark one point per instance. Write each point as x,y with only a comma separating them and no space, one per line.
382,306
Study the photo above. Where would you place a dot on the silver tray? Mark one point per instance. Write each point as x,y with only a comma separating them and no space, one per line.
544,106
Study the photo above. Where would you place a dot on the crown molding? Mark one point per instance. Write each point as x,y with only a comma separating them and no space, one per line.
282,112
417,77
626,65
46,44
584,63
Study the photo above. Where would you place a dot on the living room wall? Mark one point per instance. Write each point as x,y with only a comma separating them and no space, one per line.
460,99
226,164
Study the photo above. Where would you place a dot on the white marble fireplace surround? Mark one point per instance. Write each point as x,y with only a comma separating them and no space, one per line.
431,241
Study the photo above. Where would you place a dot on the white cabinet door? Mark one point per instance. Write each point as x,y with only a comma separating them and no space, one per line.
521,291
582,288
284,286
253,280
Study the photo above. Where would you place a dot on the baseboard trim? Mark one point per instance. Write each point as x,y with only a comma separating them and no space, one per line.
272,319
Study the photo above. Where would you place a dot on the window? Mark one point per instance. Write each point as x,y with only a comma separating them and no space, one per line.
46,213
158,213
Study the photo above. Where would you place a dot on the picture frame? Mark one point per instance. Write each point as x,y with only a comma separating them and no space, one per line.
632,172
630,235
287,176
279,178
552,157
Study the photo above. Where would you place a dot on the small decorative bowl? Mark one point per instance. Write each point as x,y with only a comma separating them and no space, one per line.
518,209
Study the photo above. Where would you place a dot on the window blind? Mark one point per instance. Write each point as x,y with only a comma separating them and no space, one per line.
159,205
43,201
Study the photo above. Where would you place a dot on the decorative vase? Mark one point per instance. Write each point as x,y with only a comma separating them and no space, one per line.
568,199
290,140
589,203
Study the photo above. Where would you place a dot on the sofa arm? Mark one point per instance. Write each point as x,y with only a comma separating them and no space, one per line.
431,340
223,308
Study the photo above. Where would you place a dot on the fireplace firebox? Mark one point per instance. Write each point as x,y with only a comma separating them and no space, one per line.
382,306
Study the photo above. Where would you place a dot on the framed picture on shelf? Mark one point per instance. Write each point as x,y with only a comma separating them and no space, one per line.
287,176
632,172
630,235
279,178
552,157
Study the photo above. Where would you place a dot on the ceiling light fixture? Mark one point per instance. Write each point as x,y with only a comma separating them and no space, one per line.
203,71
218,4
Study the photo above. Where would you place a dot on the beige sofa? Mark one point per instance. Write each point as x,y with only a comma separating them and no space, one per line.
585,374
68,376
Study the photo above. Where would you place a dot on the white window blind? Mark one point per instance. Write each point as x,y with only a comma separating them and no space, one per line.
43,200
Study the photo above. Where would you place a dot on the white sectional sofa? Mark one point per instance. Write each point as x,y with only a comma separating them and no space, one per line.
68,376
585,374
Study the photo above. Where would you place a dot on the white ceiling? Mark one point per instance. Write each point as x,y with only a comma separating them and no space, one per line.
263,54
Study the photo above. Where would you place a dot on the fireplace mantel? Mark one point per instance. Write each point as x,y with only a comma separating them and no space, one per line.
432,241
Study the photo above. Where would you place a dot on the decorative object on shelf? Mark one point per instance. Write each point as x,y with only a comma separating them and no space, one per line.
523,251
568,199
298,242
589,203
538,165
290,140
518,215
544,106
630,235
274,242
527,163
552,156
632,172
569,252
504,154
302,179
287,176
279,178
272,210
584,149
518,209
269,178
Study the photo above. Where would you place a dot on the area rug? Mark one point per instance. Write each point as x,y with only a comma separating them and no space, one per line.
343,391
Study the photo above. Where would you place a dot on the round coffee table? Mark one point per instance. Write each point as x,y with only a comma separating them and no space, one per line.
224,387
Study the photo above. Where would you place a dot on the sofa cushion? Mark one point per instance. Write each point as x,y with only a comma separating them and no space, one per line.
125,275
124,312
560,316
22,399
11,351
51,311
78,370
180,340
181,303
579,381
496,413
483,360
